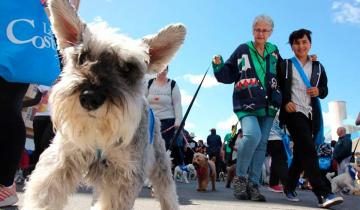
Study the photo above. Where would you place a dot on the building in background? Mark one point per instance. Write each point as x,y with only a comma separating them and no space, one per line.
337,117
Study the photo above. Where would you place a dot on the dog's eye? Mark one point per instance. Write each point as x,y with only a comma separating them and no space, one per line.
129,66
82,58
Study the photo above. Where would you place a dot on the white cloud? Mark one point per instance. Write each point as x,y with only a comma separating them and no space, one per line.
102,25
227,123
186,98
346,12
189,125
209,81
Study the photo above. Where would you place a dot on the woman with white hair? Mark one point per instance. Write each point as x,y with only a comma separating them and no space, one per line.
252,68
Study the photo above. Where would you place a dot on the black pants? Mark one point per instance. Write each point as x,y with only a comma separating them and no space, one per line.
219,165
305,157
228,157
188,156
323,176
177,152
12,129
167,134
43,134
279,166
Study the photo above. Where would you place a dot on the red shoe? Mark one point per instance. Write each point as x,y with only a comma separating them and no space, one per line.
8,195
276,188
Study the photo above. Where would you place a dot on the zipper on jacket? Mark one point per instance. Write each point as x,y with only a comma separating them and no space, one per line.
286,76
317,83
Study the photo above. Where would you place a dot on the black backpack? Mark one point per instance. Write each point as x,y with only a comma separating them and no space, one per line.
172,83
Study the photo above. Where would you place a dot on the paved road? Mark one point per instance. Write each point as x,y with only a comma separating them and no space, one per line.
222,199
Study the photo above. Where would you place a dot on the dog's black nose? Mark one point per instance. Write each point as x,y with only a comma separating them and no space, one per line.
91,98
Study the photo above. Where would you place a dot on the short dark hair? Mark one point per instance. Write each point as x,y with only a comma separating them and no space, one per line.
298,34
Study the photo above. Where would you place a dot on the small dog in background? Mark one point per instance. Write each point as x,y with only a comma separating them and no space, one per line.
182,172
345,180
265,171
205,170
105,130
222,176
192,174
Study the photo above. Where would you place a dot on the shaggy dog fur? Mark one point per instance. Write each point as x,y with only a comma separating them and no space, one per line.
222,176
192,174
102,118
184,174
205,170
344,180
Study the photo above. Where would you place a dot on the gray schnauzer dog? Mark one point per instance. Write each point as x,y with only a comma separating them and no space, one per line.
102,118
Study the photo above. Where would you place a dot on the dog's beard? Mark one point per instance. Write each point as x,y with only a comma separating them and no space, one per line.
196,165
93,129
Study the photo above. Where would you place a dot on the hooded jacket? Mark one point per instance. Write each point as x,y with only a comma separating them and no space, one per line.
318,79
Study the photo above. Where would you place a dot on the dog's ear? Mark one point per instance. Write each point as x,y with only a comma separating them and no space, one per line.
164,45
75,4
67,25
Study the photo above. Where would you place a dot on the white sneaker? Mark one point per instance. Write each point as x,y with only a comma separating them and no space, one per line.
331,200
8,195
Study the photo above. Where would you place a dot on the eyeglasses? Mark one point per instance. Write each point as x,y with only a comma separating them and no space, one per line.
263,31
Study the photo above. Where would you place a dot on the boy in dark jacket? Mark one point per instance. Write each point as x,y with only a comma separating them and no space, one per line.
302,82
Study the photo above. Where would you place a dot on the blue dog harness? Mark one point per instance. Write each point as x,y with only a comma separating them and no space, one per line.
352,172
184,168
151,125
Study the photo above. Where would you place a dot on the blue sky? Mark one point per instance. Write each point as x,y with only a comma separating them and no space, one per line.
218,27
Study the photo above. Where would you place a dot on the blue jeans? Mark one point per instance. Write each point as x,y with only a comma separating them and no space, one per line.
252,147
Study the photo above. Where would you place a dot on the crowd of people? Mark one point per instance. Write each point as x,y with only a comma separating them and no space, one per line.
289,98
273,98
